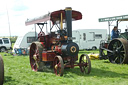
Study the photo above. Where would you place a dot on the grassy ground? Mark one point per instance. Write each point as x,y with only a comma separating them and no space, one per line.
18,72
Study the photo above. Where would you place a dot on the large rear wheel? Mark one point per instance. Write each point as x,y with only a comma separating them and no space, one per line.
35,56
119,48
1,71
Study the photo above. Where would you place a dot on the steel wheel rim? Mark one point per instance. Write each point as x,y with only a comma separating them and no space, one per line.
119,48
58,66
86,64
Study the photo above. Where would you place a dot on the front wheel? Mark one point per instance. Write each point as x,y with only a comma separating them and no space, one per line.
3,49
58,66
85,64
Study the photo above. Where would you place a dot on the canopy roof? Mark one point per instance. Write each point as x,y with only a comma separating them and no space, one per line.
54,17
119,18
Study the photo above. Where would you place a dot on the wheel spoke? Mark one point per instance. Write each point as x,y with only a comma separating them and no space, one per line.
84,69
36,51
119,59
118,44
123,52
115,45
115,59
58,65
110,54
34,64
37,64
35,57
33,50
122,55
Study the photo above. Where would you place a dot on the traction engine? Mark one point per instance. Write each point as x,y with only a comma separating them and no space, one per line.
116,50
56,49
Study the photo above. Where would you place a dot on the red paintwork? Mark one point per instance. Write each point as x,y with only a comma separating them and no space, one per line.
56,48
48,56
45,41
55,16
43,44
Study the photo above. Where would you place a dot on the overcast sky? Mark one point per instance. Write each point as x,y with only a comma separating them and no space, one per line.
92,10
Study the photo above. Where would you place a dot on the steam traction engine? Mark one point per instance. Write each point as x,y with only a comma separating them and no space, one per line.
56,49
115,50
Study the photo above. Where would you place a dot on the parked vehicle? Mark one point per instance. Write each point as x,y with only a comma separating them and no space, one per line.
23,42
89,38
5,44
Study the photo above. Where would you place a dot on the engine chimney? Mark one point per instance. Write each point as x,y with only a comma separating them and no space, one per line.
68,13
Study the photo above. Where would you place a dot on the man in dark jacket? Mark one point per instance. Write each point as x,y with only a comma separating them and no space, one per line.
114,33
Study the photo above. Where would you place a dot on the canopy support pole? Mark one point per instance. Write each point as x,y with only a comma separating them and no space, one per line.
109,37
35,31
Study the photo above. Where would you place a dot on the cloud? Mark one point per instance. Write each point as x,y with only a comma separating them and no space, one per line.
19,6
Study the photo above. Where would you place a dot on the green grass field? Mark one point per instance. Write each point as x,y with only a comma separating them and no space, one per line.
18,72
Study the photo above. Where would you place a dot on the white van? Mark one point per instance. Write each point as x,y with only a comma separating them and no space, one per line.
23,42
5,44
89,38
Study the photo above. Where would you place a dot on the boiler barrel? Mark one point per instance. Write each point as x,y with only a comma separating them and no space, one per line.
70,49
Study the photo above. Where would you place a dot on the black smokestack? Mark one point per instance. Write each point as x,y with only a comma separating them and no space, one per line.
68,13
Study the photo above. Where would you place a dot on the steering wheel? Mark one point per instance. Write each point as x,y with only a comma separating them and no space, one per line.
41,34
